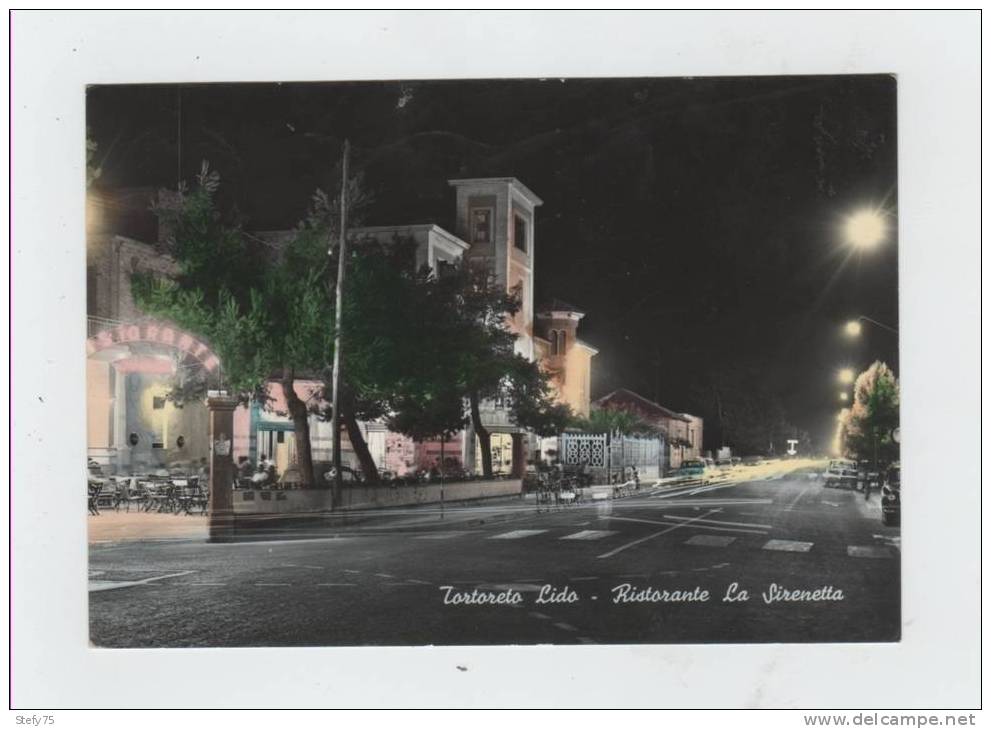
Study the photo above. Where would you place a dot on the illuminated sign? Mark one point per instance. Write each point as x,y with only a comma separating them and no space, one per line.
154,333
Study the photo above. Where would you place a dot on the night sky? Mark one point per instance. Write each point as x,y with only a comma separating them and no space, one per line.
698,222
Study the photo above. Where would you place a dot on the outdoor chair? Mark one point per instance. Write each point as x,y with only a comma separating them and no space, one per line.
199,497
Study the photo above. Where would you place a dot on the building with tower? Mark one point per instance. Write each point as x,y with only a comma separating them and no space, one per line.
494,225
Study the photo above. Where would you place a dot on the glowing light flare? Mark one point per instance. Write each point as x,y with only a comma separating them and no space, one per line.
853,328
844,397
846,376
865,229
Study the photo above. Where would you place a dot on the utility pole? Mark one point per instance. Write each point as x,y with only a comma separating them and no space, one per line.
339,302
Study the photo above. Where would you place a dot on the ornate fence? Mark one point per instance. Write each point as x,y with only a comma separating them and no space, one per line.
611,457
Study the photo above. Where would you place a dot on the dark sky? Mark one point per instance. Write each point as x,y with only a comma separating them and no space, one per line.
697,221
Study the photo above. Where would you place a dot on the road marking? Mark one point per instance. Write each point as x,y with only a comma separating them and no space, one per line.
304,566
541,616
586,641
694,490
709,502
519,534
895,542
272,584
385,575
419,582
204,584
871,552
335,584
734,530
440,535
589,534
581,579
354,572
710,540
695,525
652,536
787,545
797,498
566,626
103,585
831,503
719,521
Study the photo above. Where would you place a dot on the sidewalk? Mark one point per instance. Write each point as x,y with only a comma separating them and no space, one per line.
117,526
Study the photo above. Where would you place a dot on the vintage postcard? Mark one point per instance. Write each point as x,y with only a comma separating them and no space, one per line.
493,362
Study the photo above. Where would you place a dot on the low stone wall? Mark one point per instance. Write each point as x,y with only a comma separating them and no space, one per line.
250,502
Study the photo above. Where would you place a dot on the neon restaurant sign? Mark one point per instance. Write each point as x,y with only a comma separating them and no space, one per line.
154,333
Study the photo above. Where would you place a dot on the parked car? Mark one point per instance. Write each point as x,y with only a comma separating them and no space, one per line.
891,495
841,474
694,467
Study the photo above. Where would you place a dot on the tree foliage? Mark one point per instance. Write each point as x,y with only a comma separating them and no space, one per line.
744,411
264,312
475,313
869,424
614,420
421,349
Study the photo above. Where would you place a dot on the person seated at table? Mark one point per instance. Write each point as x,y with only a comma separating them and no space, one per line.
261,476
244,470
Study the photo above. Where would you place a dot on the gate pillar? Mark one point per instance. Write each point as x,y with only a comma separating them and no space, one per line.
221,496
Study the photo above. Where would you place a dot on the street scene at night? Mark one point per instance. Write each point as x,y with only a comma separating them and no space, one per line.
493,362
586,574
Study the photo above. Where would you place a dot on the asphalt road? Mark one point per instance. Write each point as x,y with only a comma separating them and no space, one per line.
653,568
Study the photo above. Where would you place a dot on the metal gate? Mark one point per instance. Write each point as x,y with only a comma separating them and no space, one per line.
612,457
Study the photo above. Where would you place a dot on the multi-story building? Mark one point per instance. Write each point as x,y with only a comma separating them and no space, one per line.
494,228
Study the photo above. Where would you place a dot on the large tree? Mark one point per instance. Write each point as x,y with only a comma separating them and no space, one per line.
391,360
475,315
871,421
263,310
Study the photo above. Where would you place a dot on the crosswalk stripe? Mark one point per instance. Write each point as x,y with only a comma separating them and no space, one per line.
518,534
787,545
710,540
871,552
589,534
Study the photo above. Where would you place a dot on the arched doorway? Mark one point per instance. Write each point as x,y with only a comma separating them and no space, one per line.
133,425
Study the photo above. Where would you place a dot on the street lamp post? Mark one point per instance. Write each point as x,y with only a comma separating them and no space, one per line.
339,303
853,327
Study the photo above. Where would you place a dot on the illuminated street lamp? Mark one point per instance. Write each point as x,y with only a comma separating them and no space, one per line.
865,229
853,328
846,376
844,397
